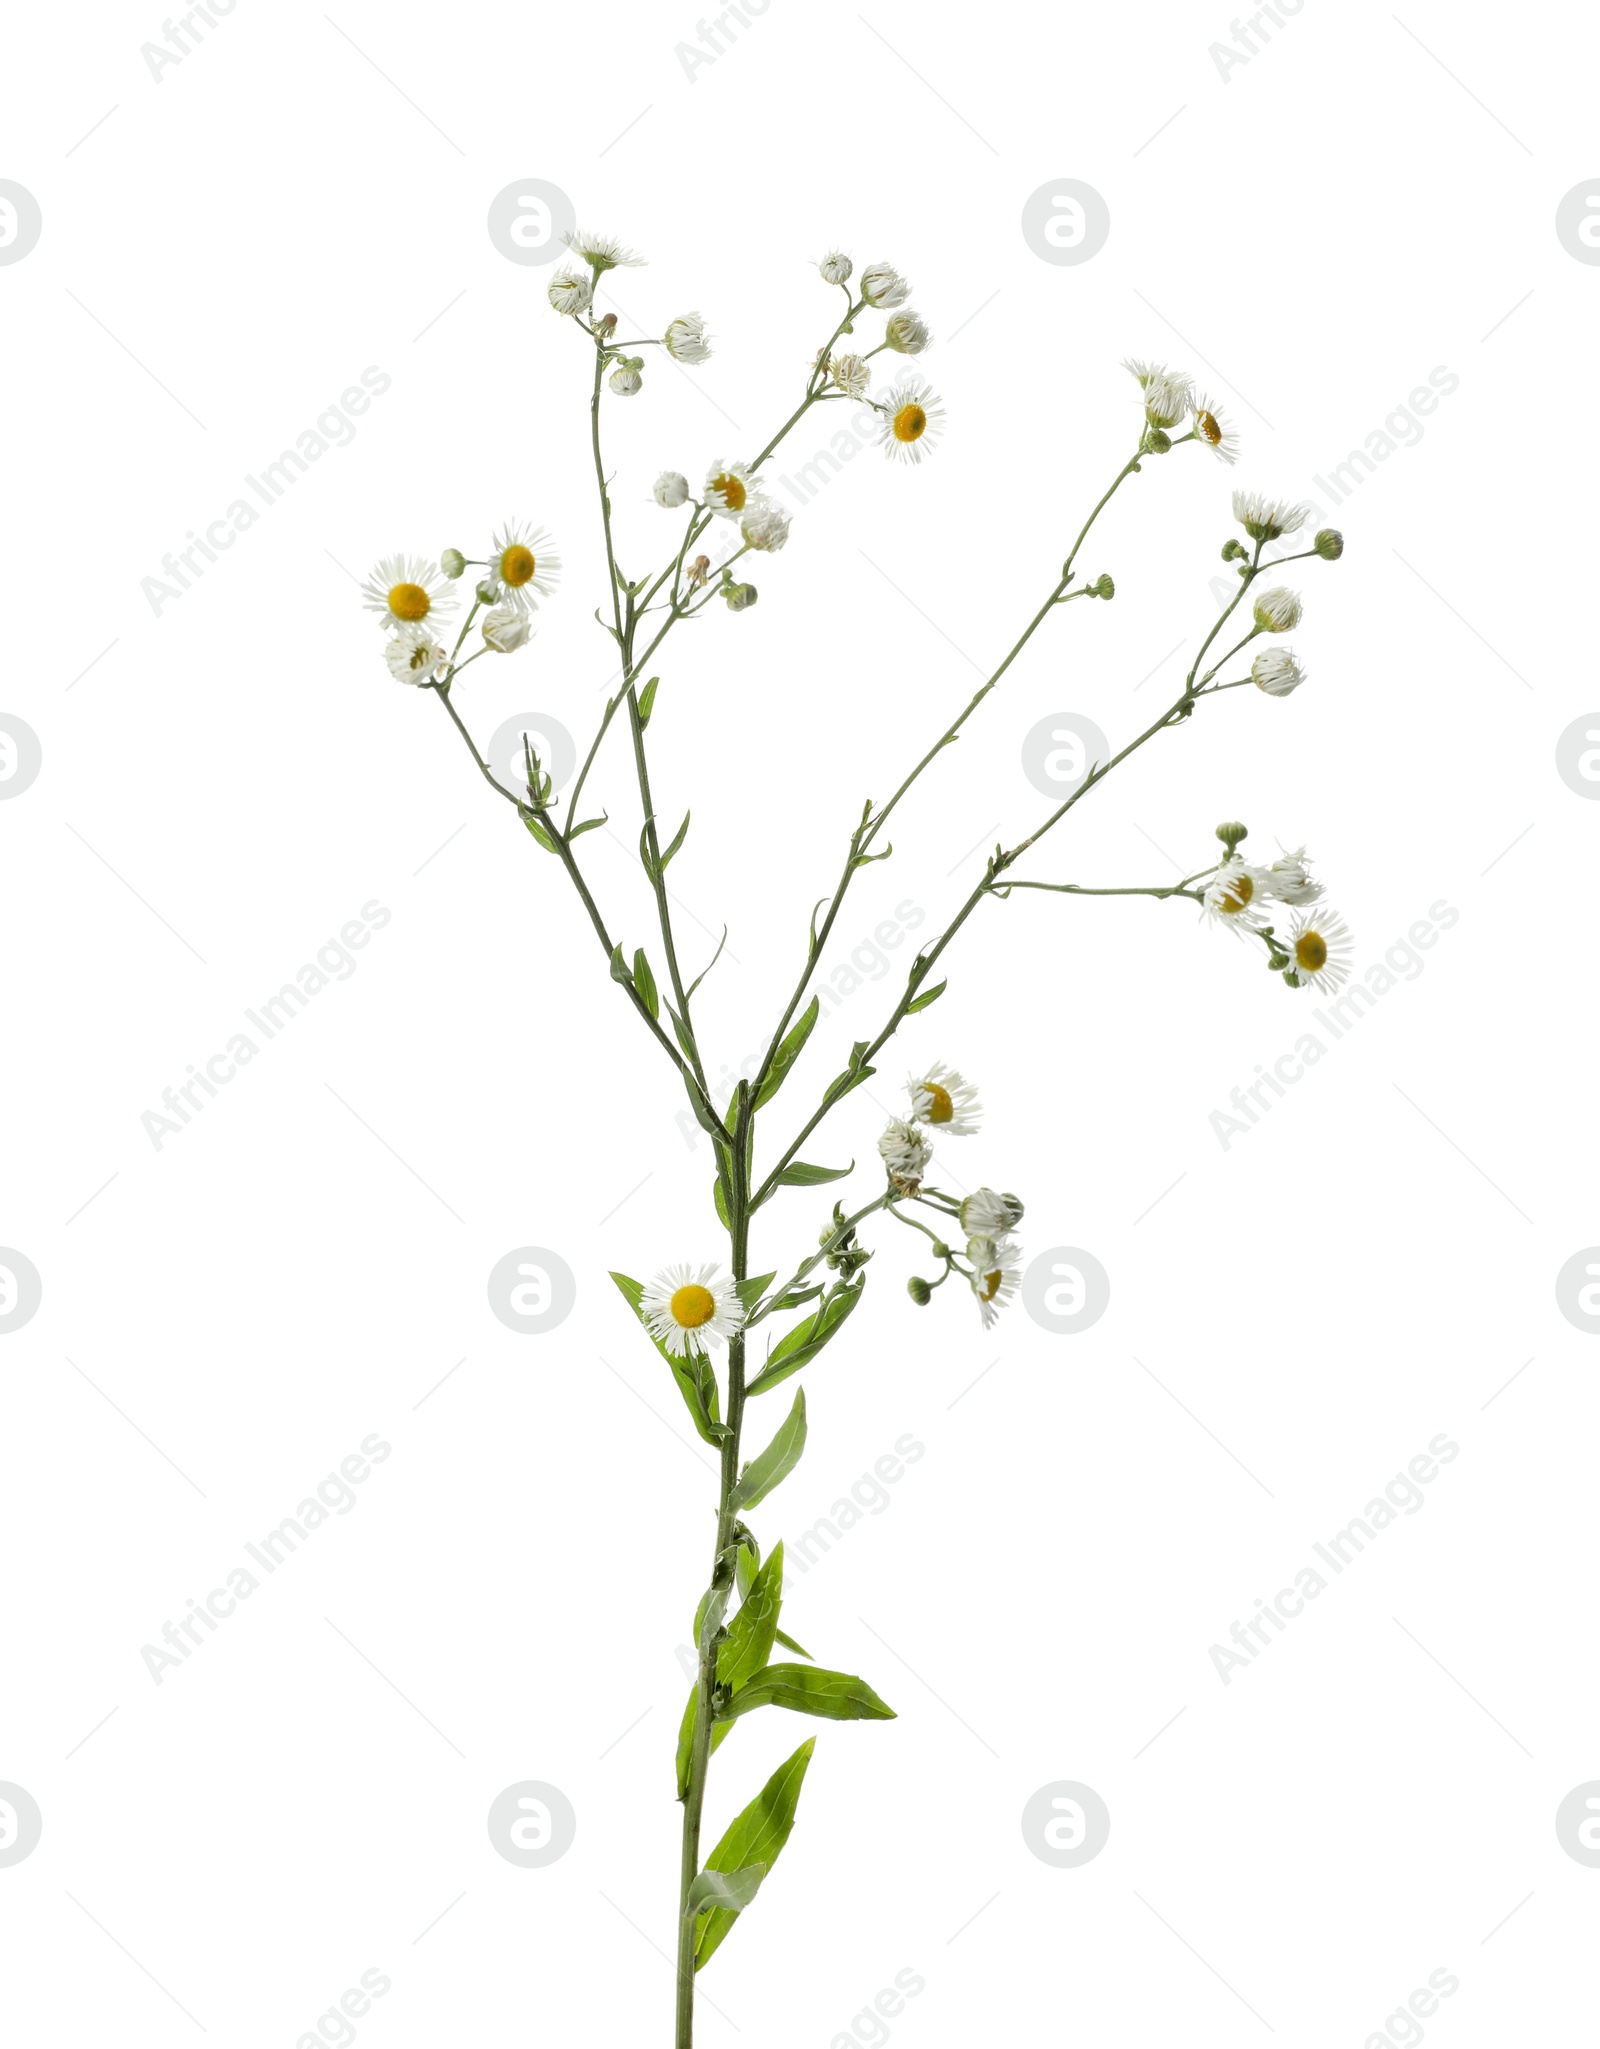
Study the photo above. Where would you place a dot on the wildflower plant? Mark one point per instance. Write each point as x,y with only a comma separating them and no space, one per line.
713,1322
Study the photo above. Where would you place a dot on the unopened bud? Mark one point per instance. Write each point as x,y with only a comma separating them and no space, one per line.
1230,832
1102,587
1329,544
741,596
919,1291
1157,441
452,562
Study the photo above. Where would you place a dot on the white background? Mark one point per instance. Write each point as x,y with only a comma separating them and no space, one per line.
1300,1312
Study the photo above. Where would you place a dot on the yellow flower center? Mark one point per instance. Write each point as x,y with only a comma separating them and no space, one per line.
731,490
1236,894
517,566
991,1286
940,1108
409,601
693,1306
910,423
1206,427
1311,952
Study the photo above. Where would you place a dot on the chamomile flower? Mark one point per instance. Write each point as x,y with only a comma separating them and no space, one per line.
1168,398
415,655
521,567
505,629
835,268
906,1151
984,1213
671,489
908,333
765,526
1212,427
729,487
1276,671
850,374
993,1286
1278,610
1289,879
570,292
1234,894
883,286
601,252
1319,949
945,1098
1264,519
689,1309
911,419
407,590
685,340
1143,372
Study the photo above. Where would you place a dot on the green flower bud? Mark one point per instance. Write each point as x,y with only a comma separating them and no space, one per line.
940,1249
1157,441
919,1291
740,596
1230,832
1232,549
486,594
452,562
1102,587
1329,544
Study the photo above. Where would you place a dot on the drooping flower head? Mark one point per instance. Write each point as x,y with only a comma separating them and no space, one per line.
910,420
506,628
765,526
906,1152
945,1099
407,590
907,332
850,374
1233,895
415,655
689,1309
570,292
997,1280
686,339
1215,430
522,568
1278,610
883,286
671,489
988,1214
1319,952
1168,398
1276,671
1264,519
1290,880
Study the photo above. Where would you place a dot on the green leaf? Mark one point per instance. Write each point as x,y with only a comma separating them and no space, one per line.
677,841
721,943
645,982
800,1174
748,1643
619,967
754,1837
681,1032
789,1052
789,1644
731,1890
697,1382
774,1465
809,1690
686,1740
647,701
721,1202
588,825
752,1290
796,1347
928,996
539,833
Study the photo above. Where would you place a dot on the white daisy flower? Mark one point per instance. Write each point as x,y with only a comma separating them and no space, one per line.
1276,671
1289,879
521,567
1143,372
911,420
907,332
671,489
686,340
906,1151
883,286
625,380
987,1214
729,487
1319,949
506,628
995,1284
1213,427
945,1098
765,526
1278,610
835,268
406,590
601,252
1264,519
1233,895
689,1309
415,655
570,291
1168,398
851,374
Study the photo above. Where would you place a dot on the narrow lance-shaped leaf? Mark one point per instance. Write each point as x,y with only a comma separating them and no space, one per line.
801,1174
647,700
756,1836
810,1690
677,841
645,983
748,1643
751,1291
789,1051
802,1344
768,1469
928,996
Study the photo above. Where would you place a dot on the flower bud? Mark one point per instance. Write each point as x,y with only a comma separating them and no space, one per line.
671,489
940,1249
1157,441
740,596
1102,587
1329,544
1230,832
487,592
505,629
1232,548
452,562
625,380
919,1291
835,268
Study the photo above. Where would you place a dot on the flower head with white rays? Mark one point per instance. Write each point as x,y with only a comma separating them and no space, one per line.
505,629
671,489
685,340
1143,372
601,252
765,526
625,380
908,333
1234,894
1290,880
985,1213
906,1151
945,1099
415,655
1264,519
570,292
1168,398
850,374
835,268
910,420
995,1284
1215,430
730,485
1278,610
1319,948
689,1309
521,567
1276,671
408,590
883,286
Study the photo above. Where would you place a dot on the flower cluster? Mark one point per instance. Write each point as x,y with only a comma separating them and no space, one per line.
412,598
1240,897
1170,398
